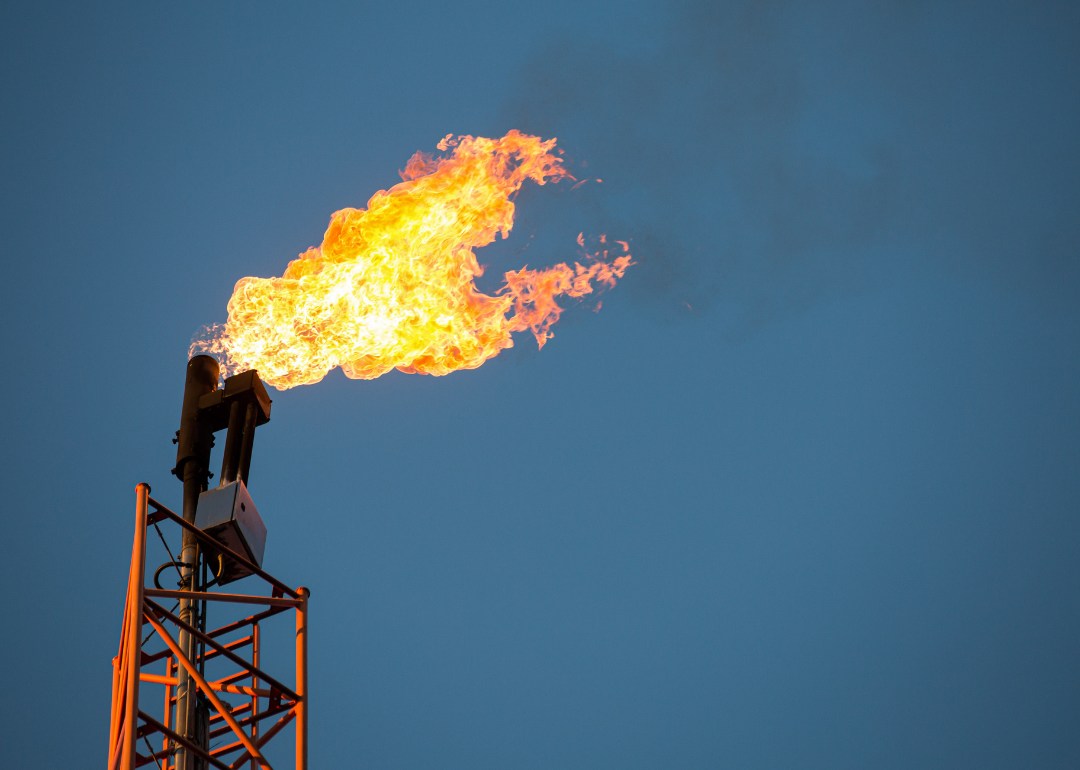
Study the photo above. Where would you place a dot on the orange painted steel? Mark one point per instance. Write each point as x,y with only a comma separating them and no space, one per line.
231,647
230,679
168,703
255,691
158,678
281,723
125,701
155,726
301,678
193,672
271,711
129,724
157,609
276,601
172,681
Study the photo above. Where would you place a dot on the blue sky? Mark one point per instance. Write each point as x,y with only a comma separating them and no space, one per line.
804,493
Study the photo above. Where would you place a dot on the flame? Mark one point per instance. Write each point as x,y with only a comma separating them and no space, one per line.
393,285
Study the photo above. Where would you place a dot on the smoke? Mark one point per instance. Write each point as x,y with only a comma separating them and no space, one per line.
763,155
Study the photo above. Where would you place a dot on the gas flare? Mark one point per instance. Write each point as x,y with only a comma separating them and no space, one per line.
393,285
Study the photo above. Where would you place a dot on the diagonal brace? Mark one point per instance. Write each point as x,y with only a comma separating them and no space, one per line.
278,726
156,727
148,613
154,607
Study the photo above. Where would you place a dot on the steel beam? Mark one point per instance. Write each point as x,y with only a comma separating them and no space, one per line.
194,673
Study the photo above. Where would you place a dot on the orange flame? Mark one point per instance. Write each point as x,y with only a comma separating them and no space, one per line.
393,286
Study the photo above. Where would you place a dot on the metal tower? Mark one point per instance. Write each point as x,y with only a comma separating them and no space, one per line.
222,541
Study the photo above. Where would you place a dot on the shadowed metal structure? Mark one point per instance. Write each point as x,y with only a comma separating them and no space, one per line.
228,545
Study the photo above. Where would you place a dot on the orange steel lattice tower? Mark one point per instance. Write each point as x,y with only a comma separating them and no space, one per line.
131,728
223,534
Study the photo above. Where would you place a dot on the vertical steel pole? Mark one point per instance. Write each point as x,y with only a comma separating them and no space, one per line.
168,707
194,442
114,722
133,644
255,640
301,679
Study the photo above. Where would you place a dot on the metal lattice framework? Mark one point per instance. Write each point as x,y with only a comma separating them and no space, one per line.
131,727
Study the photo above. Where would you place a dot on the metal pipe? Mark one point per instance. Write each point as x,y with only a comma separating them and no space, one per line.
168,702
269,601
114,721
248,441
194,442
230,463
202,618
301,706
255,689
194,483
133,642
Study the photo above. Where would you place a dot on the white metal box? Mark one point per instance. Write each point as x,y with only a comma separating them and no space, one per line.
229,516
